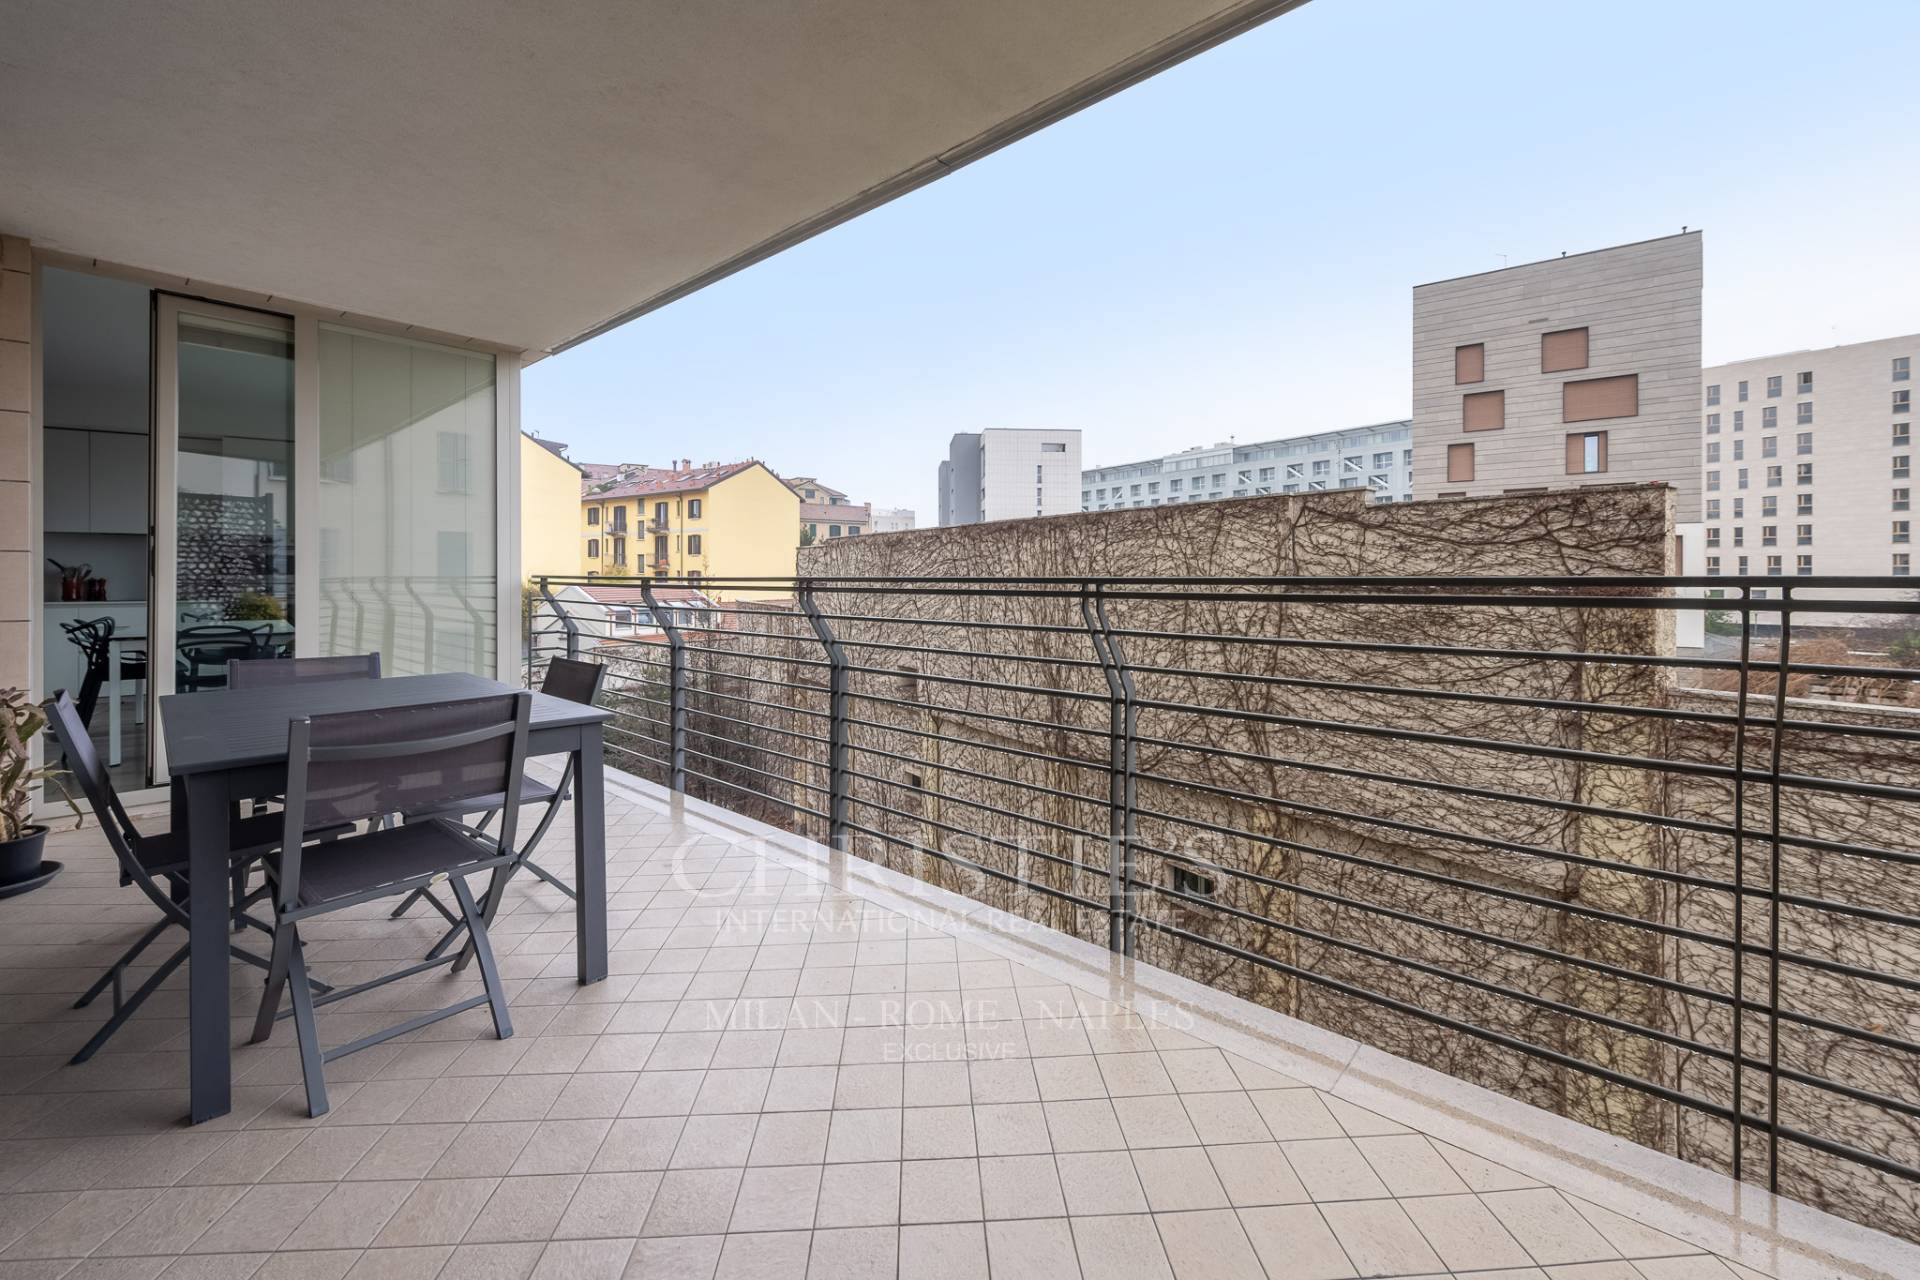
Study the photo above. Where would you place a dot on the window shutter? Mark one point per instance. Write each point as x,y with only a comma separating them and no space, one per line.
1459,463
1563,349
1470,363
1595,398
1484,410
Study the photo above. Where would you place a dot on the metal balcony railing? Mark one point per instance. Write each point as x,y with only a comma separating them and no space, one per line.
1500,826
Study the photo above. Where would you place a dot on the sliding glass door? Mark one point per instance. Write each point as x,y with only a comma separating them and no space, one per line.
407,503
223,569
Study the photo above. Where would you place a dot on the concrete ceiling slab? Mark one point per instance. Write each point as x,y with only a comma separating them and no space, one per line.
521,172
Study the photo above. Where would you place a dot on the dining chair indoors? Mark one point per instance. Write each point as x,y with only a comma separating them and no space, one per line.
260,673
156,863
568,678
356,766
94,638
203,653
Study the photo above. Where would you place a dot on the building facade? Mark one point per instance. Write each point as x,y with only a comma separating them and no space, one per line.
1010,473
1807,461
1577,370
549,508
823,521
827,512
892,519
720,520
1376,458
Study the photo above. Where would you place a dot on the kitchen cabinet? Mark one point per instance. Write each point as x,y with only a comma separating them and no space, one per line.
68,499
96,481
118,482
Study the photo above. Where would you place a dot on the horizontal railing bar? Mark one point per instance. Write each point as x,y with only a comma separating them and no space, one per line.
1811,783
757,657
1678,1097
1538,751
764,773
1446,833
735,675
623,750
1049,823
1435,877
762,795
1457,930
853,582
981,867
979,715
1454,1024
1025,851
770,751
965,772
1522,798
1022,752
1547,904
1058,660
1545,1003
755,702
1037,691
749,724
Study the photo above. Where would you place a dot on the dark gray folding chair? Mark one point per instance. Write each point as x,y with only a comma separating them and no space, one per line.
254,673
158,864
359,765
261,673
568,678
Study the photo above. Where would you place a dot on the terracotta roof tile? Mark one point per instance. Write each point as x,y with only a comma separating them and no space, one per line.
641,481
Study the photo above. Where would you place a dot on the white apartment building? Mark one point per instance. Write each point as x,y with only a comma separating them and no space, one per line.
892,519
1807,461
1009,473
1378,458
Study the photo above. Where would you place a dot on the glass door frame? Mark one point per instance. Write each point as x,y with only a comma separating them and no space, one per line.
163,603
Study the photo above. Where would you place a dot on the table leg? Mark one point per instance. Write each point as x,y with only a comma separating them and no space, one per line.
209,1064
113,704
590,857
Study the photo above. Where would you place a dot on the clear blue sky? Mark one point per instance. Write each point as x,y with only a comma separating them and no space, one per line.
1228,249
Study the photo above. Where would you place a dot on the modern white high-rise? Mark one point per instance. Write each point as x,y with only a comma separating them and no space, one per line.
1378,458
1010,473
1807,461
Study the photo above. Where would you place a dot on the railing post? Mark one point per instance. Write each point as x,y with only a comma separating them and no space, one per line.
1121,769
676,688
1781,675
839,736
567,623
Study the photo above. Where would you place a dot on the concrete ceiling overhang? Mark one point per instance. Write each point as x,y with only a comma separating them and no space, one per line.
525,173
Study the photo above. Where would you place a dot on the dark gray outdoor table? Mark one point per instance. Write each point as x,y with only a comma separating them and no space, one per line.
225,746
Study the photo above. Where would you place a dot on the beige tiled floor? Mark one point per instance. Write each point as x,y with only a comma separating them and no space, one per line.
780,1078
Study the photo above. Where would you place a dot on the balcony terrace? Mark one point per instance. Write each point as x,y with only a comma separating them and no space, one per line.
807,1064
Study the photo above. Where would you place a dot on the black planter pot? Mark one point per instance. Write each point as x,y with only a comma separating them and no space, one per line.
20,859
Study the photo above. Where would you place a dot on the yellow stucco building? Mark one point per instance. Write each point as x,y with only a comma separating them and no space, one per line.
713,522
549,509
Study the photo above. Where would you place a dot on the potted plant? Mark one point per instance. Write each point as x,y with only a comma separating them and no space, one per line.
21,839
255,606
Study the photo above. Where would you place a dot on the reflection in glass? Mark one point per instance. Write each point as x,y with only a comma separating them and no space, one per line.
235,524
406,496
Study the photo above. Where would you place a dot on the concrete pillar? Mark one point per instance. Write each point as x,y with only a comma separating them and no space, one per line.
19,577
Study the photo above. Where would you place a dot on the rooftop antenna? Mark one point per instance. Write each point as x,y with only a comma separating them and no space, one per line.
1503,259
